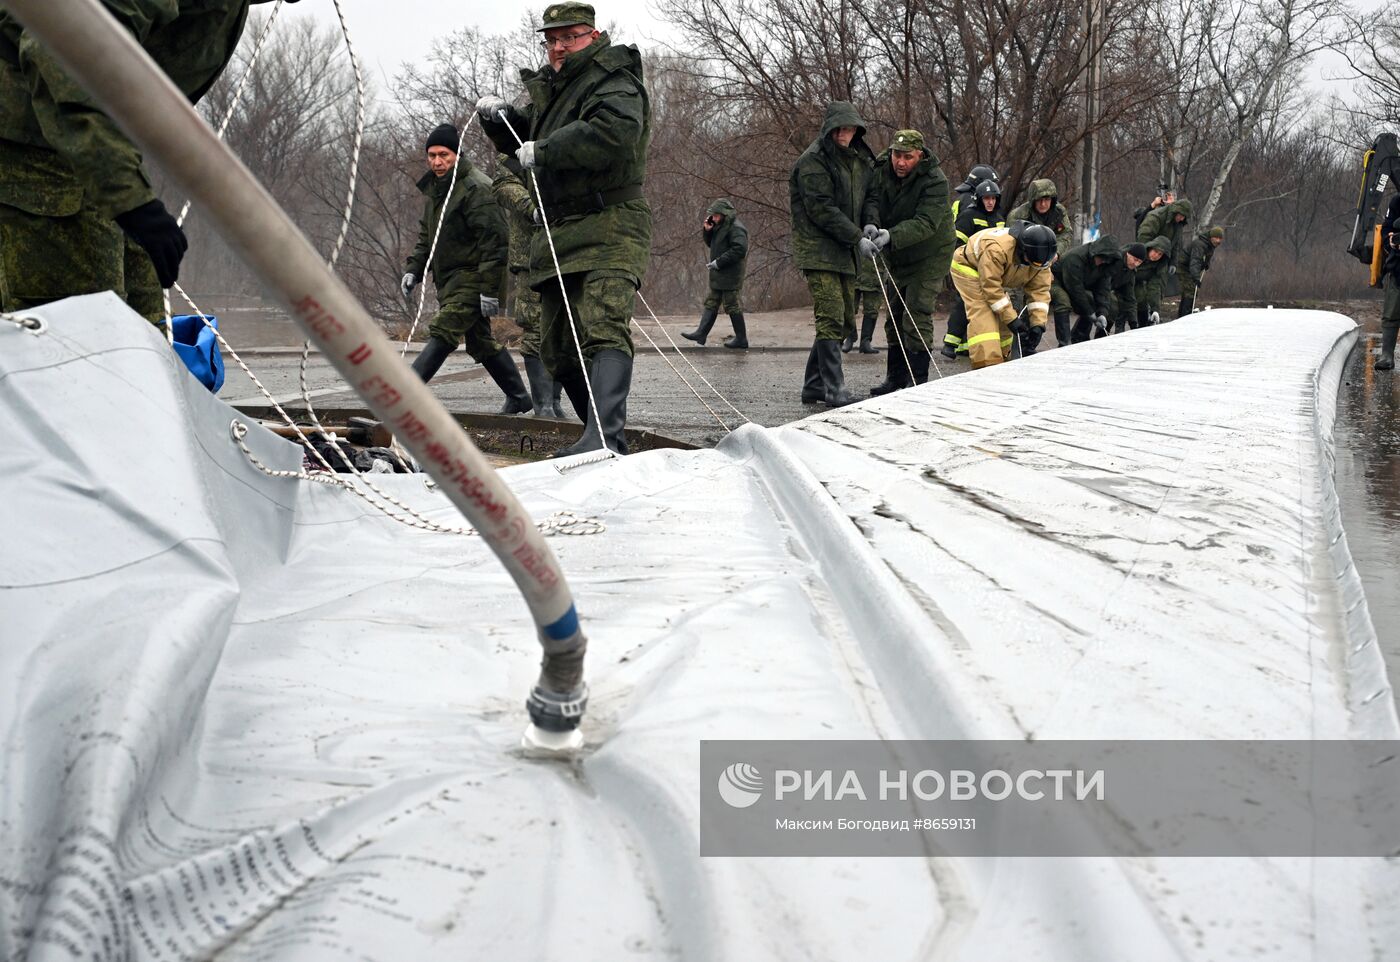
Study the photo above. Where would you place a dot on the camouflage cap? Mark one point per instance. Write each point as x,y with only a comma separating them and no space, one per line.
907,140
566,15
1218,232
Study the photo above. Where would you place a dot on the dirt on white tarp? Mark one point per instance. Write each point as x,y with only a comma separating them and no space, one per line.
251,718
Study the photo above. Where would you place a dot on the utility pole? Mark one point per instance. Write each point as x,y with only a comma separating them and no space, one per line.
1090,62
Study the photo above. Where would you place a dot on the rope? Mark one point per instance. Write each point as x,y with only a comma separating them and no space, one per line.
879,263
908,365
563,291
687,360
727,429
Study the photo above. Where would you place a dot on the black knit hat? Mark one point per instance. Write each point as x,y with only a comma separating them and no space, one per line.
1137,250
444,136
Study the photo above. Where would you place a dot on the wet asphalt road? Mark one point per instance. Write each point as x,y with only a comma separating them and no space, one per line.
763,382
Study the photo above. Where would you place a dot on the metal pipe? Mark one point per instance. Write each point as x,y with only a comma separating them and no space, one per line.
137,95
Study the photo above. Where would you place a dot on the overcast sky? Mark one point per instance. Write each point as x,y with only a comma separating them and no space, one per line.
389,32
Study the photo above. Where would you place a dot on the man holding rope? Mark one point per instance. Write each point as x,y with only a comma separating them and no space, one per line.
583,139
461,216
78,213
913,230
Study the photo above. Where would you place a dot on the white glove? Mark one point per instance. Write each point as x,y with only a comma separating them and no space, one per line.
713,265
1154,318
1101,323
881,238
489,106
870,231
490,306
407,284
868,248
526,155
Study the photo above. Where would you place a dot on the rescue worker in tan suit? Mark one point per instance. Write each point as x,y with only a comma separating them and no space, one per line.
985,270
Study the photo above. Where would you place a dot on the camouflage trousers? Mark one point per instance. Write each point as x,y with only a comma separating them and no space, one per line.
868,303
601,302
730,301
912,329
527,316
459,321
833,303
45,258
1189,285
1059,300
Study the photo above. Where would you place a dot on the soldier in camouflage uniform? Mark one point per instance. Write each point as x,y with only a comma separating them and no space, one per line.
915,235
468,266
828,192
518,205
77,211
1192,263
1151,277
1042,206
726,241
868,299
585,132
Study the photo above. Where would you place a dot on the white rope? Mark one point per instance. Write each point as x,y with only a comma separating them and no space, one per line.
909,314
908,365
676,370
437,232
687,360
563,291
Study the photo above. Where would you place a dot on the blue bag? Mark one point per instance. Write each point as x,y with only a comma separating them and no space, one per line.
199,349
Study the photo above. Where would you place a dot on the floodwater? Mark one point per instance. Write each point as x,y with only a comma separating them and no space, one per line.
1368,485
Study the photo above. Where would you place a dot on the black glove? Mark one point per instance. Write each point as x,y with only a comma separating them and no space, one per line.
1020,326
1031,339
151,226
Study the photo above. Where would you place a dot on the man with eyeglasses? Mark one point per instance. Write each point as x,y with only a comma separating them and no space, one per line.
584,141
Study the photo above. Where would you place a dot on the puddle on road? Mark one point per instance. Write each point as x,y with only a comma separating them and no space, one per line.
1368,484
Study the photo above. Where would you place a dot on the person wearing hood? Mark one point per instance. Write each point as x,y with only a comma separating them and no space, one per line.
468,267
1169,221
1042,206
518,206
726,242
1086,273
1192,263
986,271
913,232
78,213
584,138
829,196
1151,277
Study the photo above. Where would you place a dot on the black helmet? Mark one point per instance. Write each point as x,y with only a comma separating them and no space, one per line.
980,173
988,188
1035,243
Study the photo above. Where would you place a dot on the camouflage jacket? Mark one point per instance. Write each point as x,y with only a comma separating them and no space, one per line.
1193,260
1147,286
1057,218
915,210
1161,222
517,203
1084,279
591,123
472,245
61,150
1122,284
829,197
728,245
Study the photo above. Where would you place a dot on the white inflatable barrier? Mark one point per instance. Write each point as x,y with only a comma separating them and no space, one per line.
251,718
